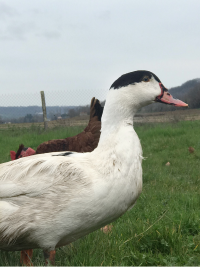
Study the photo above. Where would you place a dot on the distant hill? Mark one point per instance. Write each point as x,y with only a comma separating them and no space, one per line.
17,112
188,92
184,88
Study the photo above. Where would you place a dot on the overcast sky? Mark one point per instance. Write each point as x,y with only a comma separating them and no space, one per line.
81,46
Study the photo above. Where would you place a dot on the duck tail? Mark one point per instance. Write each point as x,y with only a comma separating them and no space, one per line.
95,109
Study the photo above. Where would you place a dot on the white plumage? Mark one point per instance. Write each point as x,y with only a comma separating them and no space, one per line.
54,200
50,200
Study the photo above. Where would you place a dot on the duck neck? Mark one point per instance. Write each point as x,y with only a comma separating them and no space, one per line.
116,114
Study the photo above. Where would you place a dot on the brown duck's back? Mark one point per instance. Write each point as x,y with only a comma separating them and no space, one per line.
85,141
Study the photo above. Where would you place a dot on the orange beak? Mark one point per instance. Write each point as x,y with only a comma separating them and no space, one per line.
166,98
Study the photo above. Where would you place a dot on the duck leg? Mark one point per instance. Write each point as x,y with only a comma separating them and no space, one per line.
49,257
26,257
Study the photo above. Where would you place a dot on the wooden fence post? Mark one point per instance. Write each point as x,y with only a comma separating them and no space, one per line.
44,110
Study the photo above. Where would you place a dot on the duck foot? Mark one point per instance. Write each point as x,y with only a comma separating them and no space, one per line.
49,257
26,257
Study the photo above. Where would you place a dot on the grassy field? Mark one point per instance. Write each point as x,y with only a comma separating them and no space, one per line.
164,226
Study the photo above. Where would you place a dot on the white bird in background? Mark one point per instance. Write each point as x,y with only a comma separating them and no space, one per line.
50,200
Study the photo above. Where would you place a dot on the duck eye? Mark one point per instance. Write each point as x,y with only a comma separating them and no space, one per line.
146,79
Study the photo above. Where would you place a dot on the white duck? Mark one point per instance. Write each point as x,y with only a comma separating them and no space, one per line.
50,200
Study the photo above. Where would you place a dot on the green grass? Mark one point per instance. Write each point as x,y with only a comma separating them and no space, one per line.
164,226
31,137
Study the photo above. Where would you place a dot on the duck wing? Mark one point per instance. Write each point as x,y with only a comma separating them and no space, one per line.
32,175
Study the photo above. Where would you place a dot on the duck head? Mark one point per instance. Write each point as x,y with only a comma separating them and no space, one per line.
146,88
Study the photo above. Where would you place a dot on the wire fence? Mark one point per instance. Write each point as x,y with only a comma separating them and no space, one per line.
63,107
69,108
